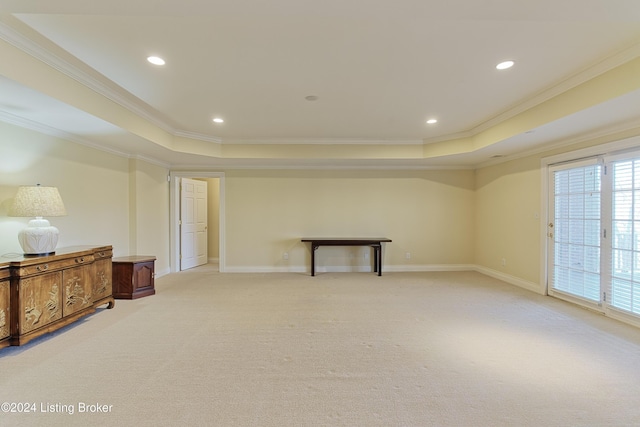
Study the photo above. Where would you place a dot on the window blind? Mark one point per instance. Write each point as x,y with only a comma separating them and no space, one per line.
577,227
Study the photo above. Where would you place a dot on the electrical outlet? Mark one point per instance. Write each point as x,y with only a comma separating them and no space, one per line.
285,255
407,255
504,262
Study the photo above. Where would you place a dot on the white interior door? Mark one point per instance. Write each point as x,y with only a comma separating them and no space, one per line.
193,223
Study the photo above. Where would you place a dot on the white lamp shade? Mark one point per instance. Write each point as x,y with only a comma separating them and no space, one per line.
36,200
39,237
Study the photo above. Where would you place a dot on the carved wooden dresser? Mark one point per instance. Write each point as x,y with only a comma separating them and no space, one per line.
4,304
46,293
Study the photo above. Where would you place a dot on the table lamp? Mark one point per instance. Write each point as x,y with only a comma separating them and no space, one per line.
40,237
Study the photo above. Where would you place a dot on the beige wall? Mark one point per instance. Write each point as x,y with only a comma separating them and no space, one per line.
507,220
110,200
426,213
511,216
443,218
149,213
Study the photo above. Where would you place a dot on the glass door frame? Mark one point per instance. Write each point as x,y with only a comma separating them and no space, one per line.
551,228
609,152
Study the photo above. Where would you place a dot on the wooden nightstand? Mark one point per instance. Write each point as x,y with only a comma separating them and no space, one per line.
133,276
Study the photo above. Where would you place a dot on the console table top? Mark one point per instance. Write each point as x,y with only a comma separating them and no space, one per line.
134,258
346,241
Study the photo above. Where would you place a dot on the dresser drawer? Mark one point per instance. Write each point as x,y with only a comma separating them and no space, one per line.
55,265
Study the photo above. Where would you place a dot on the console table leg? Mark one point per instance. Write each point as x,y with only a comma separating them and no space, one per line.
375,258
313,259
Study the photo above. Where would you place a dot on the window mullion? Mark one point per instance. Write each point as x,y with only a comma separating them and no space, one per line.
607,235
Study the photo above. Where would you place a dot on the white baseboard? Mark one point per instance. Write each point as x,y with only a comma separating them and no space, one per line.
513,280
266,269
525,284
427,267
160,273
351,269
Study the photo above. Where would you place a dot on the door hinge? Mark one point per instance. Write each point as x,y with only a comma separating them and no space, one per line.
604,296
604,233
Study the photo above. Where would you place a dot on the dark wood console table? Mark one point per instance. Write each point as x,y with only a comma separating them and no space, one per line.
374,242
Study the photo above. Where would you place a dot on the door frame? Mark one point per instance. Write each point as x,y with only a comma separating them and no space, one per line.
604,149
595,160
174,216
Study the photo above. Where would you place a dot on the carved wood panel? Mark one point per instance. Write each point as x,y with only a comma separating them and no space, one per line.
77,289
102,282
4,309
40,301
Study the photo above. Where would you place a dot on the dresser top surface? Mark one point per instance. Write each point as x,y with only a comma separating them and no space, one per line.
60,253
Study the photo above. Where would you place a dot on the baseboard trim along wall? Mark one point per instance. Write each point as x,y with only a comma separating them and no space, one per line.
516,281
530,286
350,269
161,273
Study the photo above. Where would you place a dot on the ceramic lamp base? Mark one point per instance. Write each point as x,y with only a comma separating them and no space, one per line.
39,238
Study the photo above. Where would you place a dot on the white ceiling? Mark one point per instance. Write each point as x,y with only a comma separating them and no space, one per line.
378,68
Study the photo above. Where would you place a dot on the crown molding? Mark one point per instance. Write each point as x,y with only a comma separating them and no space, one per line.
57,133
612,133
450,137
218,164
197,136
590,72
324,141
98,83
600,67
11,33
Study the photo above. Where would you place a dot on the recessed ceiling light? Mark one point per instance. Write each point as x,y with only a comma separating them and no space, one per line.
504,65
218,120
156,60
432,121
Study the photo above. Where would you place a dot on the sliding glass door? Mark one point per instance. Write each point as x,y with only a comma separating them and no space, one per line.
625,241
574,231
594,233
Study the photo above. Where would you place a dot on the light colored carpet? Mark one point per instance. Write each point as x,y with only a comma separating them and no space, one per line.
338,349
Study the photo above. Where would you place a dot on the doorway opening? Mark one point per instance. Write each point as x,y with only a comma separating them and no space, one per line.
592,228
214,238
